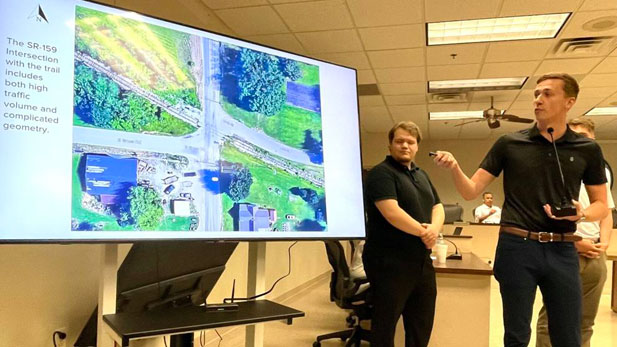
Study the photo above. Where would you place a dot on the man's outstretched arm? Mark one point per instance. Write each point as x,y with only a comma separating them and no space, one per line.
469,188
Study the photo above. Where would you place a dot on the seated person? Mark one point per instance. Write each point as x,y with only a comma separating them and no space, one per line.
487,213
356,269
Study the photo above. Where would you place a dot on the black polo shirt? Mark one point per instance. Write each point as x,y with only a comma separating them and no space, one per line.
415,194
531,176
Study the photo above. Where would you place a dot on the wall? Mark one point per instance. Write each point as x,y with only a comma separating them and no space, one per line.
47,287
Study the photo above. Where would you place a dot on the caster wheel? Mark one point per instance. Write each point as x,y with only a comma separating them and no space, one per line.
316,344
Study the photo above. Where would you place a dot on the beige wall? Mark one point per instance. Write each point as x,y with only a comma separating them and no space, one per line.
47,287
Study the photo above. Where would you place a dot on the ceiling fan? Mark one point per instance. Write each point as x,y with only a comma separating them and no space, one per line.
493,116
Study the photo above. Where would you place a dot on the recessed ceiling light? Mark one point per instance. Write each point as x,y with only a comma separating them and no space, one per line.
602,111
455,115
476,85
495,29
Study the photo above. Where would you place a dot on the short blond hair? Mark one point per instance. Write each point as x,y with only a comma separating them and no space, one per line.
583,122
408,126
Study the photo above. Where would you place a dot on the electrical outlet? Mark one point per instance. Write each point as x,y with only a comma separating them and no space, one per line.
58,333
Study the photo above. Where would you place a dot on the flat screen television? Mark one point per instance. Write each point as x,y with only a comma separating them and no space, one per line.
120,127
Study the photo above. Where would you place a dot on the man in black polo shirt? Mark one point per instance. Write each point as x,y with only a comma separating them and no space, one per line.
535,247
404,219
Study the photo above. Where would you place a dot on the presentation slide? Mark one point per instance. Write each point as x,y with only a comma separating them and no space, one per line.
116,126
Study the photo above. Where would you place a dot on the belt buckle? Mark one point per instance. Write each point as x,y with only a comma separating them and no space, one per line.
541,240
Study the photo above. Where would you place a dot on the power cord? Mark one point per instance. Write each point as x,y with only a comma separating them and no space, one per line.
61,335
220,337
228,300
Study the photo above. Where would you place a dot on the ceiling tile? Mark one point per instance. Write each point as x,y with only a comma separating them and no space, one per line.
512,69
402,88
596,92
401,74
414,113
366,77
606,66
443,130
526,105
462,106
370,100
392,37
357,60
574,27
453,72
528,7
475,131
405,99
594,5
397,58
286,42
219,4
445,10
284,1
253,20
330,41
526,112
191,13
571,66
465,54
375,119
609,101
385,12
316,15
599,80
583,105
523,50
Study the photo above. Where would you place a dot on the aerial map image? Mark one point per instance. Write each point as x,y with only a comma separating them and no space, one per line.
178,132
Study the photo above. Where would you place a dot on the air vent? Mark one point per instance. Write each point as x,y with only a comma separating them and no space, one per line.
444,98
582,46
368,89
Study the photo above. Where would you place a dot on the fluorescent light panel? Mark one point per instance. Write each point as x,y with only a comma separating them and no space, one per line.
477,84
455,115
496,29
602,111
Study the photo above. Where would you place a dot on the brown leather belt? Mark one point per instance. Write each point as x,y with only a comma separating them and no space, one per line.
542,236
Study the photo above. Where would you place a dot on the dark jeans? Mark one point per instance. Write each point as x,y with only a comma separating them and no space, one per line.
522,265
401,286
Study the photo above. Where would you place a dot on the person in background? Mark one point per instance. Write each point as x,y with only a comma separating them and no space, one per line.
405,216
487,213
536,247
591,254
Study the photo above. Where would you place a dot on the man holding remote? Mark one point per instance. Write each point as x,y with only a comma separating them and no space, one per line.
543,167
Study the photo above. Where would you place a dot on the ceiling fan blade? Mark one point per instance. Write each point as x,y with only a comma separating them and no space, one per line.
515,119
468,122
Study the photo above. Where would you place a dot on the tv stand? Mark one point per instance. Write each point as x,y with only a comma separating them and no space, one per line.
182,322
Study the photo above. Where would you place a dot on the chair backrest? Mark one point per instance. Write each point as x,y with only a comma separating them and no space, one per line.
473,214
341,284
453,213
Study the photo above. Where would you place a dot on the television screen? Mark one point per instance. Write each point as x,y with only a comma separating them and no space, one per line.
117,126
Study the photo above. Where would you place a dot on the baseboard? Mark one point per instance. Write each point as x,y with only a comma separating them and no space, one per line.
302,288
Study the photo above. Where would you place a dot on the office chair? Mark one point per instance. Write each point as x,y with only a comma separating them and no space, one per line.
344,292
453,213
